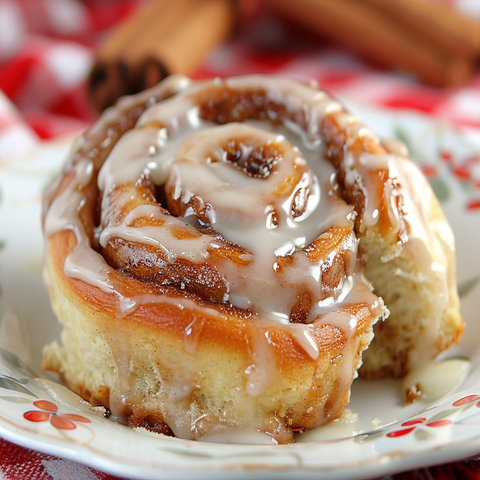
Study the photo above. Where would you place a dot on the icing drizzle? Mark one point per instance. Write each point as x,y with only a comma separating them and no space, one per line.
262,186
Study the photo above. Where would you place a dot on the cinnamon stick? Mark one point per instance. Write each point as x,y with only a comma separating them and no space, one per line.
204,25
128,32
162,38
366,29
437,21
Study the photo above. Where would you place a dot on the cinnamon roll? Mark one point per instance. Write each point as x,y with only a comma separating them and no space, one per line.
206,250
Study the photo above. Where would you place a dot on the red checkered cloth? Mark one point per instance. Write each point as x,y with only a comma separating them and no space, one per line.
46,52
18,463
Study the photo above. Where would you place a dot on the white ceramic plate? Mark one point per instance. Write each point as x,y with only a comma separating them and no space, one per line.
387,436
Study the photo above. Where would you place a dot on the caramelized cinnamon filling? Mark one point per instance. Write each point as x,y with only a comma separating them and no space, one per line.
210,220
222,192
256,162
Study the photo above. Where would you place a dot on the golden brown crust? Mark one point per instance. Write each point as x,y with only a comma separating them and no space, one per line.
226,337
171,318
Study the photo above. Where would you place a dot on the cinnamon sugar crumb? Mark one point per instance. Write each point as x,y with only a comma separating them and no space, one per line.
412,393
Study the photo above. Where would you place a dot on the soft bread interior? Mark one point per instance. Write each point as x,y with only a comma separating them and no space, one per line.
424,305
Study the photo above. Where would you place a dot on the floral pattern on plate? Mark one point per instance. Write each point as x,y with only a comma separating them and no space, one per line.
385,437
49,412
443,419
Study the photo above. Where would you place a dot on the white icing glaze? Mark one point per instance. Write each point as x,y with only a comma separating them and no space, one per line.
395,146
344,427
430,240
192,334
192,249
183,148
83,263
302,334
110,117
261,372
435,380
129,305
172,145
152,149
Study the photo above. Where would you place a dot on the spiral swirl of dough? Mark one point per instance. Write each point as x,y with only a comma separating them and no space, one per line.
203,217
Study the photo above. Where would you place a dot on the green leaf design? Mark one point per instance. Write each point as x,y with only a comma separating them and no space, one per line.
466,187
9,384
369,436
467,419
443,414
457,357
467,286
402,135
14,362
441,189
16,399
2,246
422,435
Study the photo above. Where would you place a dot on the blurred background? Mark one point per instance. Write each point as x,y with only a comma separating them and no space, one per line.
63,61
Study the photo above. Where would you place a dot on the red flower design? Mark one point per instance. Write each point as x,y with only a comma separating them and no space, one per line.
412,424
465,400
466,170
473,205
429,171
49,411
